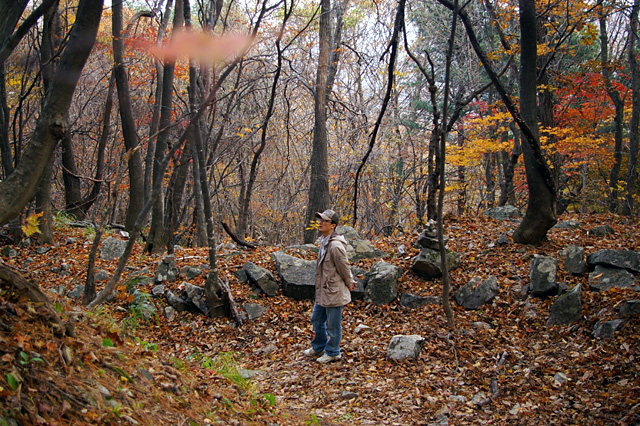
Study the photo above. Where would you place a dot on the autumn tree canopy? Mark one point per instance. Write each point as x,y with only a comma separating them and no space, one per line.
266,80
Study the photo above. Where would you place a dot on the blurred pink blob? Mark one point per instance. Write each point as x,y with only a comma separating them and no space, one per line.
199,46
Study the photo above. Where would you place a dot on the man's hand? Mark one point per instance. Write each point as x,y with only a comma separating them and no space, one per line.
352,286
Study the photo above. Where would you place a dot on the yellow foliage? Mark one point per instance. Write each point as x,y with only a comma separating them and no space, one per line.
32,225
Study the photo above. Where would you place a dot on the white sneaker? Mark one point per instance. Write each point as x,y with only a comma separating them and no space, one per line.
311,353
328,358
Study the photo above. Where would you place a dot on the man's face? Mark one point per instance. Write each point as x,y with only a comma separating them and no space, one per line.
325,227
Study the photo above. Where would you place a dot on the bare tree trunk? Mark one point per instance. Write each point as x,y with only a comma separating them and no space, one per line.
461,196
20,186
11,11
509,161
446,279
319,198
155,118
47,54
632,179
618,120
156,242
129,134
541,209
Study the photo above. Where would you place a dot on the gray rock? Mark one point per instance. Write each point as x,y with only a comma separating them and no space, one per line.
621,259
148,310
412,301
348,233
574,260
241,274
298,275
477,293
503,213
140,297
42,250
192,290
166,270
543,276
189,272
601,231
405,347
201,304
158,290
502,240
254,311
180,304
560,378
78,291
170,312
261,278
606,278
605,330
135,282
363,249
427,240
112,248
427,264
358,292
7,251
567,224
382,283
101,275
630,308
567,309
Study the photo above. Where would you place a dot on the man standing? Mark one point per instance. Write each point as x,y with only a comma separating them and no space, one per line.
333,284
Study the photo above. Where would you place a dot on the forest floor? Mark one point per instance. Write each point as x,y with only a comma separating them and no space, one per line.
193,370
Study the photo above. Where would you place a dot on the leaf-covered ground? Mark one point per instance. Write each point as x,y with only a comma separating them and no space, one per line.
498,366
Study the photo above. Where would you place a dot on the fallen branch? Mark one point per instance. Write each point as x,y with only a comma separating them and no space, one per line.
13,278
235,238
227,296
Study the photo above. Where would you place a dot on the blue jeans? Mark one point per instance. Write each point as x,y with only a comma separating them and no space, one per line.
327,321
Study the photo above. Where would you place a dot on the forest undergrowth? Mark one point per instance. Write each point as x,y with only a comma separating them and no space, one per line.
499,365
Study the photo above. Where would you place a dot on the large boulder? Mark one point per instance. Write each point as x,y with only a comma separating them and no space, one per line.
630,308
601,231
603,278
503,213
567,309
477,293
362,249
427,264
112,248
358,248
542,275
621,259
574,260
606,329
262,278
382,283
405,347
298,275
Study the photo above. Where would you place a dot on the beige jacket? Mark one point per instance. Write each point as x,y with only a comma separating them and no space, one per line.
333,274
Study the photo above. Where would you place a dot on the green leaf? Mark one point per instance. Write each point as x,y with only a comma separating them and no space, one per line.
271,398
107,343
13,382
